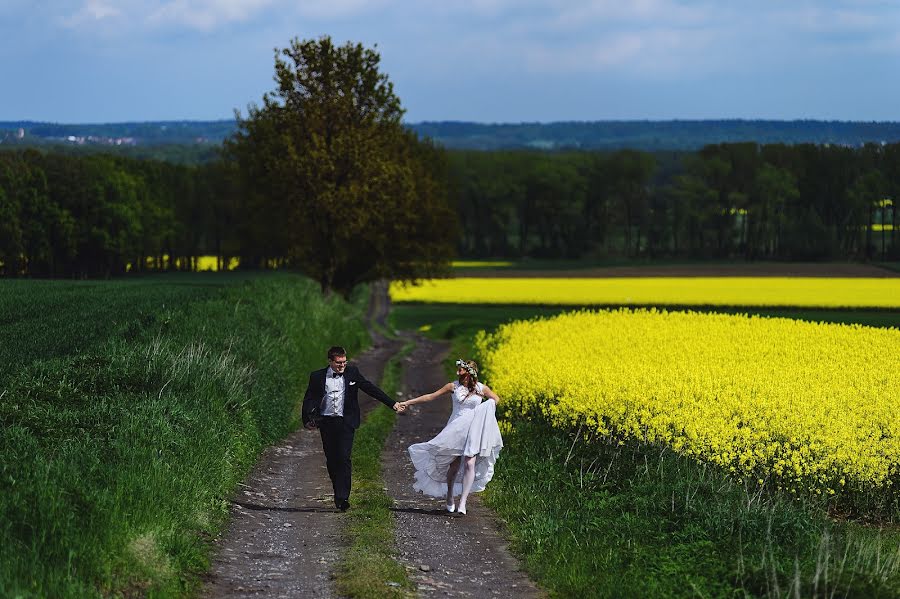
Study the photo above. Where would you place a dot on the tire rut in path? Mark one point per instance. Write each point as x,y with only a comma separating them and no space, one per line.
285,537
446,555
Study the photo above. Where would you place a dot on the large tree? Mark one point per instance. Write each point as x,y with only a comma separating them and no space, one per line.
335,182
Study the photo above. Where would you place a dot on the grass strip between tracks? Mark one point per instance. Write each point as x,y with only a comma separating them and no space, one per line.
370,567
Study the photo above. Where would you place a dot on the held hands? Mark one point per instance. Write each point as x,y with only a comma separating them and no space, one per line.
401,406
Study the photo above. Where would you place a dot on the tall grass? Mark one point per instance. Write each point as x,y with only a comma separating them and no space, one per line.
118,452
596,519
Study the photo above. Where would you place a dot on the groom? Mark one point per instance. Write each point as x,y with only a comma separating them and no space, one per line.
331,405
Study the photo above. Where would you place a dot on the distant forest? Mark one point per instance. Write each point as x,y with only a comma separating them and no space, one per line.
588,135
98,214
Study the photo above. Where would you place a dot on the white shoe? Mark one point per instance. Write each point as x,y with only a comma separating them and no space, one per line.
451,507
462,510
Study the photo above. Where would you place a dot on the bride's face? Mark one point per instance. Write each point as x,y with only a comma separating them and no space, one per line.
460,371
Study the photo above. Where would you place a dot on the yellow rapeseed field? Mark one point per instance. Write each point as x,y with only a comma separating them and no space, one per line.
804,405
678,291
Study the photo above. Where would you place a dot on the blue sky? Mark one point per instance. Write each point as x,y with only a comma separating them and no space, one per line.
475,60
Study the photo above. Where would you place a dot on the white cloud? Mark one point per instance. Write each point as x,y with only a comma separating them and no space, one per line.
130,15
91,12
340,9
593,12
820,19
206,15
658,52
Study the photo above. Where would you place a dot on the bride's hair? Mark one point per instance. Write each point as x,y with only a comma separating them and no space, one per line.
470,378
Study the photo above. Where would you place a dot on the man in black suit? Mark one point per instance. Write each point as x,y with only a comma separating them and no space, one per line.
331,405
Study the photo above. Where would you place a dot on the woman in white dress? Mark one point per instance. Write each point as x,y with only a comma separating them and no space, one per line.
460,459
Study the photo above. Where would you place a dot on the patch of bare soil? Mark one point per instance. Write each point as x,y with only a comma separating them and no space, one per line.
285,536
750,269
446,554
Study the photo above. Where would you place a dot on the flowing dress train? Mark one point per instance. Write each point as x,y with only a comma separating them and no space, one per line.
471,431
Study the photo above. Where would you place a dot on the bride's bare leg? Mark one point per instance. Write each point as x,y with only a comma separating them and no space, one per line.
451,477
468,479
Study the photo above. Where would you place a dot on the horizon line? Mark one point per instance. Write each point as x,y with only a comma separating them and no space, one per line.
484,123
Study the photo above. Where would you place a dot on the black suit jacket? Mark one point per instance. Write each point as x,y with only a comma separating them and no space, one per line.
353,382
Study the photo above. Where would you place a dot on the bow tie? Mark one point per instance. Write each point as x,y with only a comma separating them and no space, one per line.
337,374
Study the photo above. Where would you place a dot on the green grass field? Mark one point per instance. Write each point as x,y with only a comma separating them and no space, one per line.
594,519
130,410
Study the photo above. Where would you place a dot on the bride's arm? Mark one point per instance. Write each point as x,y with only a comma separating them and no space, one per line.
429,396
487,392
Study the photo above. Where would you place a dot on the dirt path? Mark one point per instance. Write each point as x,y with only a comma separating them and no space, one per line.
285,536
457,556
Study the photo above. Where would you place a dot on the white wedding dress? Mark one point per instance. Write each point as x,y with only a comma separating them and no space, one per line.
471,430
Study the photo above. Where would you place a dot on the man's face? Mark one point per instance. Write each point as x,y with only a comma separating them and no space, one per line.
338,363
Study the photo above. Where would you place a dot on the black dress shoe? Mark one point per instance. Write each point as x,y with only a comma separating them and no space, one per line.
342,504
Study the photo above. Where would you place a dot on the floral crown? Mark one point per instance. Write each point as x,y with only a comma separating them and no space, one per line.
470,369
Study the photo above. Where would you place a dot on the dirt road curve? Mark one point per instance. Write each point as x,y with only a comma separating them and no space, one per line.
456,556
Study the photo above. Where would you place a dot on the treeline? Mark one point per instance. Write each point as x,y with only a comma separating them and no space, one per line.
88,215
92,215
751,201
188,154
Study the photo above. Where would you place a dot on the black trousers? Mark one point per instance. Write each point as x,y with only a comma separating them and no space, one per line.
337,442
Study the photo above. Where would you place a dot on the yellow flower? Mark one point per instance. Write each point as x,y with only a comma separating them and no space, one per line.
681,291
810,405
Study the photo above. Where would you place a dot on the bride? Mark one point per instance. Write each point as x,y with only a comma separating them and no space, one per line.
471,439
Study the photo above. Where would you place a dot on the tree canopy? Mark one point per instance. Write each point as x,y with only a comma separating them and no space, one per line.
335,183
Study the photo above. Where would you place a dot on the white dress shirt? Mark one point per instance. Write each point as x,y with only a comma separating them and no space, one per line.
333,402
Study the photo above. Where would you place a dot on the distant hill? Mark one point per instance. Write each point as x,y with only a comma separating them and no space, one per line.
639,135
655,135
138,133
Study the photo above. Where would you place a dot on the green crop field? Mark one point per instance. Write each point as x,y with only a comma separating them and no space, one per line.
130,409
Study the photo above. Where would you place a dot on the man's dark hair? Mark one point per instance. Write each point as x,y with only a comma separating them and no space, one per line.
336,351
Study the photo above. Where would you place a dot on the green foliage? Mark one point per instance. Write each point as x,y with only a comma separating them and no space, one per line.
335,183
726,201
101,215
599,520
348,197
121,443
370,560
